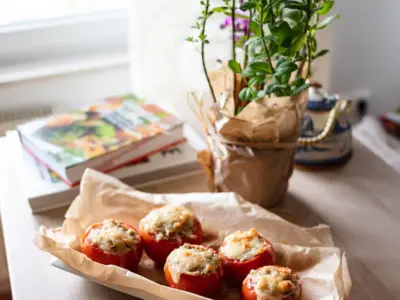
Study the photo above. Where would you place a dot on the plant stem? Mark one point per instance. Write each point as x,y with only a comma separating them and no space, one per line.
309,58
233,10
309,15
203,42
264,43
246,54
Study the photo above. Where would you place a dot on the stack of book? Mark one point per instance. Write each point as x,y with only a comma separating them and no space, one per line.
135,141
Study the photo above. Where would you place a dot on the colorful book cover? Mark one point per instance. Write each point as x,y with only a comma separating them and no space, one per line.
78,136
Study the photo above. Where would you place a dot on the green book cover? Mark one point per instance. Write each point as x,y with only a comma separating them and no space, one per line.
77,136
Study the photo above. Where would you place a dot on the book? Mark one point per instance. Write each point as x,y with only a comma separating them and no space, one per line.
45,191
391,122
105,136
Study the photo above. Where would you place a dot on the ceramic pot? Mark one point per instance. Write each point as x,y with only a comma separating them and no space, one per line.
325,138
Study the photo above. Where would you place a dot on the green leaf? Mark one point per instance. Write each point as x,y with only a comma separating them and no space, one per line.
235,66
243,94
286,42
252,40
241,41
268,89
256,28
270,38
220,9
321,53
280,61
247,6
327,21
240,16
282,31
261,94
266,17
286,64
248,72
297,83
298,43
246,94
257,80
294,16
262,67
299,28
286,67
313,45
284,78
326,7
281,90
294,5
301,88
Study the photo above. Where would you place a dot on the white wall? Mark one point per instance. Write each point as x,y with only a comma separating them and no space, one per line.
66,91
322,67
165,66
366,51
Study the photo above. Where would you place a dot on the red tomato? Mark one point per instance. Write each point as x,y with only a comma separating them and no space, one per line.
159,250
128,260
248,292
207,286
236,271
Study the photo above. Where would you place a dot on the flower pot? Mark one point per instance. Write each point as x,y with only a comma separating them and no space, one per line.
252,153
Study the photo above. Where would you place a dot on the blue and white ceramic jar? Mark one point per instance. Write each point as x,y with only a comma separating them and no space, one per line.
325,138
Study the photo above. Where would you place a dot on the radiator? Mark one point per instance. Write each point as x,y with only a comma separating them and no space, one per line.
10,119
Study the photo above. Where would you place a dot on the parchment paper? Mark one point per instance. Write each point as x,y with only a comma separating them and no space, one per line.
251,153
308,251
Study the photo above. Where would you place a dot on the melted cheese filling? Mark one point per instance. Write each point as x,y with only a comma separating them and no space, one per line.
169,222
113,237
193,260
274,283
243,245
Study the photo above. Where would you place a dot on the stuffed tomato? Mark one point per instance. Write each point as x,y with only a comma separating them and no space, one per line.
243,251
166,228
272,283
113,242
196,269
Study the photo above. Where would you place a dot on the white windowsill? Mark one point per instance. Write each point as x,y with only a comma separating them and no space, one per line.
61,66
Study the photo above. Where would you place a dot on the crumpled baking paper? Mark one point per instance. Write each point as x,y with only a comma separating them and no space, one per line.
308,251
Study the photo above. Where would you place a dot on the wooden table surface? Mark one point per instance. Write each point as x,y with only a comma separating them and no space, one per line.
361,203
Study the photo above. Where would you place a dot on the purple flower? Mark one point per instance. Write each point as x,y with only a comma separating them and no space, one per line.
241,25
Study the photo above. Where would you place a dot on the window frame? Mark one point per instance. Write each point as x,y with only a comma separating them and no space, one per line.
58,46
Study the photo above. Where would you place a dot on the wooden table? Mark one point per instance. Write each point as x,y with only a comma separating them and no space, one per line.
361,202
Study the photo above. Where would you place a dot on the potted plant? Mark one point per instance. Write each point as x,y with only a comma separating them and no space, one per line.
259,98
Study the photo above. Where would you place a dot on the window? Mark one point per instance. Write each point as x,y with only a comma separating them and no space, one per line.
19,11
49,37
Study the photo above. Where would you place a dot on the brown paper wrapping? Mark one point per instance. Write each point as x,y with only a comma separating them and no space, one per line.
251,153
308,251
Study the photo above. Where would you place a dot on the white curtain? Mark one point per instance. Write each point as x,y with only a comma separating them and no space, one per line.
164,66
